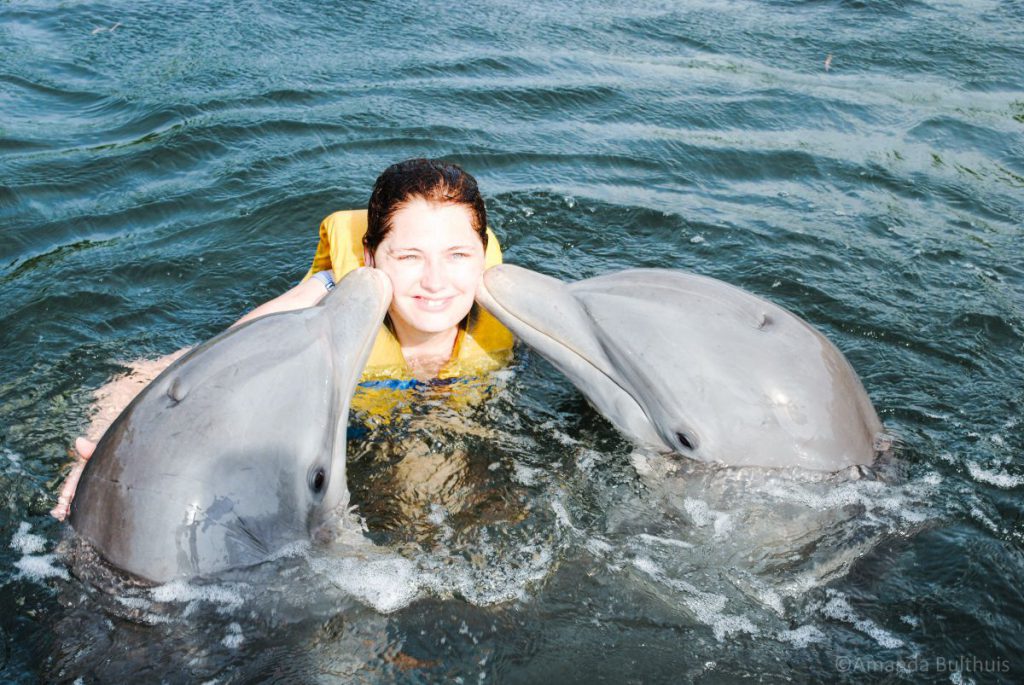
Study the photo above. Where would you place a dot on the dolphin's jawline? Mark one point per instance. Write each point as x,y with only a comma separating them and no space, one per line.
616,355
620,396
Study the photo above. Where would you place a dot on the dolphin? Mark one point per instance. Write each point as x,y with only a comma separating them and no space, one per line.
688,364
237,450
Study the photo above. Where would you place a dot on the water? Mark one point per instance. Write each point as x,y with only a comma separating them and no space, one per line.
164,167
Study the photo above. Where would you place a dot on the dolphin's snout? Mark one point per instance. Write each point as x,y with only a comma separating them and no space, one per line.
375,280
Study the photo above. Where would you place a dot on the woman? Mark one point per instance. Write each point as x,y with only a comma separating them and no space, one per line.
426,228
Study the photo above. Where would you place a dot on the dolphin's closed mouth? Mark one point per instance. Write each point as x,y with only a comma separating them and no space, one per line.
589,368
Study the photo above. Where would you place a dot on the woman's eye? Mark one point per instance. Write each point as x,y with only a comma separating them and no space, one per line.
407,257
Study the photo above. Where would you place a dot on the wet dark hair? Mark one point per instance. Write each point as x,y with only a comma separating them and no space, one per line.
433,180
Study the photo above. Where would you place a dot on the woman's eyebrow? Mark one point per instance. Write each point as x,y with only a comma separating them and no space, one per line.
403,248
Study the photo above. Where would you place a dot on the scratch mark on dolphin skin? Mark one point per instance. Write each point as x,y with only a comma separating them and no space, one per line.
176,390
251,536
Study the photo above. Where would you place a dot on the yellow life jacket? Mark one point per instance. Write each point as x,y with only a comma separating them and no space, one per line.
482,345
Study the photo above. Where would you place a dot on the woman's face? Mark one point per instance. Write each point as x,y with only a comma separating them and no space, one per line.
435,260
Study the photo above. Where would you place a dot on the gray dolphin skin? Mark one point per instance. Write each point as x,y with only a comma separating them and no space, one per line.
689,364
237,450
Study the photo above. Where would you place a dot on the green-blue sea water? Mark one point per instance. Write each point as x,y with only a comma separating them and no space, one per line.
164,168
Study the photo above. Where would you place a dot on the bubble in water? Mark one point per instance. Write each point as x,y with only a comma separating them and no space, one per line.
838,608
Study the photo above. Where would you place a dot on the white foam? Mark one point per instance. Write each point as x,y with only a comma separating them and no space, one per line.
33,565
702,515
647,566
843,495
722,525
559,435
298,548
698,510
562,514
599,547
989,523
483,582
707,607
387,584
12,456
40,567
526,475
838,608
958,678
882,502
802,637
134,602
25,542
771,599
586,459
142,605
670,542
641,463
799,584
998,478
182,592
437,514
724,626
234,637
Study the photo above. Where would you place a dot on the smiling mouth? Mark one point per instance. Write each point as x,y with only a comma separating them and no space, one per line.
432,304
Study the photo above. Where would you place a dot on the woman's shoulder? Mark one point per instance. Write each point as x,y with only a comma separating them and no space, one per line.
341,243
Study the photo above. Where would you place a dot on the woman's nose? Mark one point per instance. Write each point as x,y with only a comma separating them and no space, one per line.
434,277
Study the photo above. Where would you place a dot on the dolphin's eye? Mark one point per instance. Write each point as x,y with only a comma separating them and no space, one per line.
318,479
684,440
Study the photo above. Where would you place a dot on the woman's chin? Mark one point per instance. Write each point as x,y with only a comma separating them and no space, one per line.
431,323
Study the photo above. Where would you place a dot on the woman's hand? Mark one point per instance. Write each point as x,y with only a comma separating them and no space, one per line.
83,450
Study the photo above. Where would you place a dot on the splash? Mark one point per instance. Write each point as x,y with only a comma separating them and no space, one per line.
32,564
998,478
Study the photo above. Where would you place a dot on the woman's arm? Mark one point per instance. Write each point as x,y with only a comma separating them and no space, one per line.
305,294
